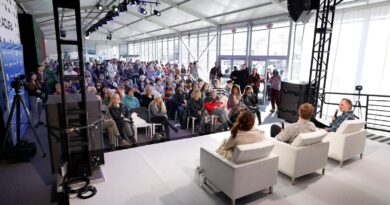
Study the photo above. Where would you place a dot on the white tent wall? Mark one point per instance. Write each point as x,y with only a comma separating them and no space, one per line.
359,52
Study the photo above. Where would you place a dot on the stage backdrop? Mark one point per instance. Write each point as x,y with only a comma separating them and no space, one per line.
9,27
11,66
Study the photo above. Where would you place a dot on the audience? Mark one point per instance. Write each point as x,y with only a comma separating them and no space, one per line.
242,132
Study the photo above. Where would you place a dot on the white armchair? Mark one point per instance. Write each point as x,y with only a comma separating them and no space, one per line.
253,168
305,155
348,141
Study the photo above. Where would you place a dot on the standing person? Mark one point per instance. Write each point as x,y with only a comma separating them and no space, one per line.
254,81
34,93
215,73
276,83
251,102
234,75
194,70
243,76
158,114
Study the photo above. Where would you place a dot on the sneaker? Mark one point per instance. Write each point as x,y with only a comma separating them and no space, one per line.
272,110
125,143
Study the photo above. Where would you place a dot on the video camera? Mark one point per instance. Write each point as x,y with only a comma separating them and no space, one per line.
19,82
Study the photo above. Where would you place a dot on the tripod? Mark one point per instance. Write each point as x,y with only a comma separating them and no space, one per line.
359,106
16,103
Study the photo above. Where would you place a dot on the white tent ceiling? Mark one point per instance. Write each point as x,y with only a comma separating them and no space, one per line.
176,16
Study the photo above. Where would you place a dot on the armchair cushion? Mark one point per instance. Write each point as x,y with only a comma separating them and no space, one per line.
249,152
350,126
309,138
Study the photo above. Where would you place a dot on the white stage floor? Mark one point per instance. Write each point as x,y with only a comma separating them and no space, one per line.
165,174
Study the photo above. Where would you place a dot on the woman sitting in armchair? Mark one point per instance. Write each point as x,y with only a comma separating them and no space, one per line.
242,132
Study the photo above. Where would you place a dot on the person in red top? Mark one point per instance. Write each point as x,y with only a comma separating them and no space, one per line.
215,107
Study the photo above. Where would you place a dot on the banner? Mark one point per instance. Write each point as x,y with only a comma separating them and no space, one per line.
9,25
11,67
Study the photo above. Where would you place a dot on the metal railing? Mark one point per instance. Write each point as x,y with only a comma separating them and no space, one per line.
374,109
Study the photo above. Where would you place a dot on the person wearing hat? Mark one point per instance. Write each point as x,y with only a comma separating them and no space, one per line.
158,114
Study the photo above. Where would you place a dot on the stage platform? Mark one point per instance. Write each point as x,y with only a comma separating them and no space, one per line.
166,174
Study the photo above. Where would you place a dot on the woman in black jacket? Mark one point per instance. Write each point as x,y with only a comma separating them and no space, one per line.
121,116
251,102
196,109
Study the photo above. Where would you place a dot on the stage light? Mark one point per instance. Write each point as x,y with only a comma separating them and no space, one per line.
109,37
86,36
142,10
156,12
134,2
99,7
115,8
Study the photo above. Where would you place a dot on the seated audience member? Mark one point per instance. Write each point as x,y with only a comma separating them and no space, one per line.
141,83
130,101
217,87
228,86
57,89
234,101
178,102
205,90
136,92
110,125
345,107
147,97
194,87
251,102
216,107
196,109
169,91
303,125
190,79
242,132
159,87
158,114
121,115
200,83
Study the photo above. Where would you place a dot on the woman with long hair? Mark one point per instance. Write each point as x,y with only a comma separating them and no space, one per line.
34,93
122,118
158,114
196,109
205,90
242,132
251,102
234,101
254,81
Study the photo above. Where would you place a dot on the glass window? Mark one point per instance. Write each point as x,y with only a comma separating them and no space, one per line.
130,49
193,48
171,50
184,52
278,45
212,51
240,43
202,52
176,51
165,51
159,50
259,42
227,44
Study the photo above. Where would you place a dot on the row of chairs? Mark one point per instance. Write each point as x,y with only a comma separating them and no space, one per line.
254,167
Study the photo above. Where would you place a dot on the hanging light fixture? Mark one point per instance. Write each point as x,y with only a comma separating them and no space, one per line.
99,7
115,8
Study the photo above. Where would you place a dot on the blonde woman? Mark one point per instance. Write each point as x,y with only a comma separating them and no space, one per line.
121,116
234,101
158,114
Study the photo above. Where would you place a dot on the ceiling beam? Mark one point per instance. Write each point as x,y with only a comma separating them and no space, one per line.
189,11
279,4
50,13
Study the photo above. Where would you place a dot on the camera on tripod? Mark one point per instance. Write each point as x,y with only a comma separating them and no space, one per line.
19,82
359,88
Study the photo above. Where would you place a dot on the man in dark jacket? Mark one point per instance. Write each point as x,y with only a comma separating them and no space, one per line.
243,76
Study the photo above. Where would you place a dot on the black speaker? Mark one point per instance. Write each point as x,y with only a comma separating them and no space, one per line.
292,95
54,128
301,10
